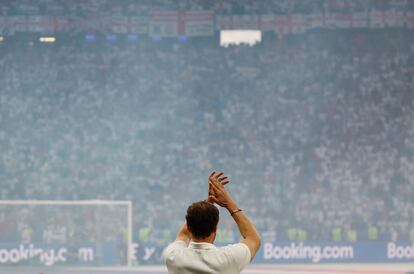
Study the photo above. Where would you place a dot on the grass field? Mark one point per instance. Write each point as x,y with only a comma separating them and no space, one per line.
251,269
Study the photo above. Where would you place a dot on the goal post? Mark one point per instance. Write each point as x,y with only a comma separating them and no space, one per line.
65,233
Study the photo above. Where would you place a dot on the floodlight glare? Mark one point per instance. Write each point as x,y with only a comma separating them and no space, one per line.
240,37
47,39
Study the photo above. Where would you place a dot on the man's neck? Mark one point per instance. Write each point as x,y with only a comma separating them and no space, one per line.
209,239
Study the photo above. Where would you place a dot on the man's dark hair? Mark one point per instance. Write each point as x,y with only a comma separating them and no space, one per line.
202,217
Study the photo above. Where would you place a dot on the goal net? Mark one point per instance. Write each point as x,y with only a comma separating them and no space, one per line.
65,233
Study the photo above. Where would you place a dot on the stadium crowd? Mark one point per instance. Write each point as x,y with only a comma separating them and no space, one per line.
318,140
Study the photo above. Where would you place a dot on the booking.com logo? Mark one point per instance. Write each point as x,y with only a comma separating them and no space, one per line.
395,251
306,252
22,253
47,256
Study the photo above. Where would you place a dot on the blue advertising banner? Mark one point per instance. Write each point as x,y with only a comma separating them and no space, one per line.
49,254
364,252
269,253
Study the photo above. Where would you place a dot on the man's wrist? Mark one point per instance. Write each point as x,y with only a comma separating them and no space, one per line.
232,207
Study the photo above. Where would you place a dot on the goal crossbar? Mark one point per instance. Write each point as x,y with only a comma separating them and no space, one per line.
65,202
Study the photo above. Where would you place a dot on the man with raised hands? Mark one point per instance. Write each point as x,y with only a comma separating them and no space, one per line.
193,251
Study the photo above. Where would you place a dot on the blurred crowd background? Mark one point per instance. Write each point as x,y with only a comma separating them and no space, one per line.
316,131
133,7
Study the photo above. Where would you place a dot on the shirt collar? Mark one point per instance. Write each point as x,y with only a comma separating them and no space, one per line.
201,245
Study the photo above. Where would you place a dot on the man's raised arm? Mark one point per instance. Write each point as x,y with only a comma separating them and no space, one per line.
219,195
184,235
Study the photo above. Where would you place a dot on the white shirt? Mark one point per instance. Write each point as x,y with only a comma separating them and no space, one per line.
203,258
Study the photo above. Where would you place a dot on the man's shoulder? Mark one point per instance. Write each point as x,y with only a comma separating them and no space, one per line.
239,251
238,254
176,245
238,247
